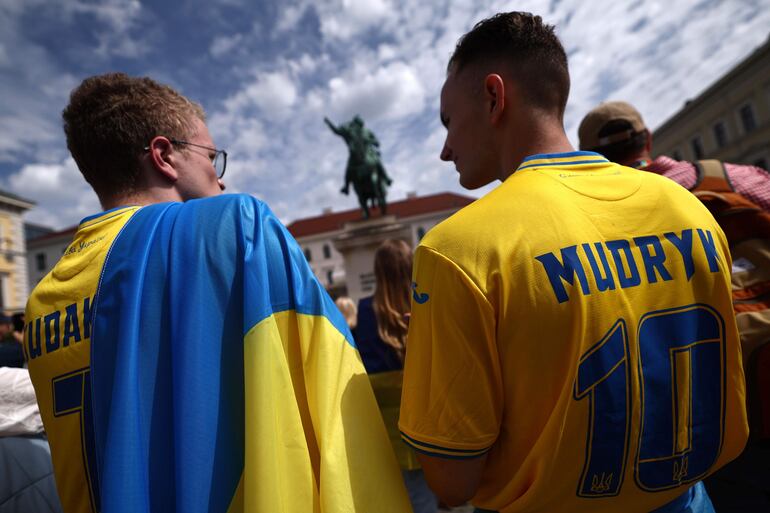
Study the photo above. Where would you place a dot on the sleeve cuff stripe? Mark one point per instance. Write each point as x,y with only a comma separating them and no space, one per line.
437,450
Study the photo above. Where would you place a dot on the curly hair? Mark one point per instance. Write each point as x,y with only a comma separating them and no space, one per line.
393,274
537,58
111,118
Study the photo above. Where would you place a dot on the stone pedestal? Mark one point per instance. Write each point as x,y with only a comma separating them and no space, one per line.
357,244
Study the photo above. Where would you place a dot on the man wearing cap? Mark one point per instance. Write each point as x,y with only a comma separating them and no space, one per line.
616,130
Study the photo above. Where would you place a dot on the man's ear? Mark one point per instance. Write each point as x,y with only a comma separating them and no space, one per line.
162,158
494,93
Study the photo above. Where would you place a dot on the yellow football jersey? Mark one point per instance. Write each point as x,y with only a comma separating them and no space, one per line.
58,345
576,324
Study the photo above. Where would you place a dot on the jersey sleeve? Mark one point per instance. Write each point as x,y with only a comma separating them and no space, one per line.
452,397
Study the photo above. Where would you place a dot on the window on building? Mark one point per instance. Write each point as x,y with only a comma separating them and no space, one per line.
420,233
308,255
761,163
40,261
330,276
720,134
697,147
327,251
677,155
747,118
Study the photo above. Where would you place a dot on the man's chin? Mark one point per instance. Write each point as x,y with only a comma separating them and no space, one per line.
472,184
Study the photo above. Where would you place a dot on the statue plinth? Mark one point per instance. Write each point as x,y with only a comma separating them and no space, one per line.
358,243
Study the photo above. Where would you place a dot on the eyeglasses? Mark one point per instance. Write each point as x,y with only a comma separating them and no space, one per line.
219,160
220,164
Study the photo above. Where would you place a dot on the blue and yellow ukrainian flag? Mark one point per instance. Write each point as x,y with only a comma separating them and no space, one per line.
224,378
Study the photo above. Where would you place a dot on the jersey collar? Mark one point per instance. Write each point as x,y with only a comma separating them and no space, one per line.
569,159
101,216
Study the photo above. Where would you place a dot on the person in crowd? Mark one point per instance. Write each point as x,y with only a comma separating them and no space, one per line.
349,311
27,483
572,344
383,320
11,353
184,356
616,130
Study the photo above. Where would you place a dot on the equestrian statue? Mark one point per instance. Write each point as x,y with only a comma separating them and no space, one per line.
364,170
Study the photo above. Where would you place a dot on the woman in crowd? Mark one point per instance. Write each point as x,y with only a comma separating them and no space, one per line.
383,320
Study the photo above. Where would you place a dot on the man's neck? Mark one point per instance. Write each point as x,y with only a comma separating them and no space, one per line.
539,142
141,198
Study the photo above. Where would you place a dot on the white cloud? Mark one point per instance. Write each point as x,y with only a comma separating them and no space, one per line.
392,91
343,19
273,93
62,195
222,45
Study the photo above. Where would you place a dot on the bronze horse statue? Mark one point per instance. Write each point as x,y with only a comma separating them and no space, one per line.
364,169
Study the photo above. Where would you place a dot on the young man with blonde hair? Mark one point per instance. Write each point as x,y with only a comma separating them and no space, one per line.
183,355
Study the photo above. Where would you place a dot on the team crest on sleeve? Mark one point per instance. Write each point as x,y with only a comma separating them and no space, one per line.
419,298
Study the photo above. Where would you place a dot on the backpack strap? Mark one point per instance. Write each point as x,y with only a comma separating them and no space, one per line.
711,176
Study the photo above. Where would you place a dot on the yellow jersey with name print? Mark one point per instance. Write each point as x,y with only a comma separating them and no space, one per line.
576,326
57,343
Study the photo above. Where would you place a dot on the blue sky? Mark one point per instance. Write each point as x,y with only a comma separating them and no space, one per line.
268,72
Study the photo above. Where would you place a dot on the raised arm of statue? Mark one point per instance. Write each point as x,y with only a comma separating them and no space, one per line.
333,128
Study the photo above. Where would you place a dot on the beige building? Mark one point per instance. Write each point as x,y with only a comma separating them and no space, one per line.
317,235
729,121
13,253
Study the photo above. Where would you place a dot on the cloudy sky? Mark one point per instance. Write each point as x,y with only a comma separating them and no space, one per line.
268,71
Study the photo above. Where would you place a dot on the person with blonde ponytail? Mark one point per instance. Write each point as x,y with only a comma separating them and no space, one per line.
380,334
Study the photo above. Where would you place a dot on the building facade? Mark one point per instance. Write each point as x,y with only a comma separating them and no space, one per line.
14,286
44,251
729,121
316,235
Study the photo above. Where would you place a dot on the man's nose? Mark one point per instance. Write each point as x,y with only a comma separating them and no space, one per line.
446,154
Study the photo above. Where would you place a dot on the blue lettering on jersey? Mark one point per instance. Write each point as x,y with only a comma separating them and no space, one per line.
45,332
562,271
710,249
684,246
652,262
631,279
605,282
566,270
71,325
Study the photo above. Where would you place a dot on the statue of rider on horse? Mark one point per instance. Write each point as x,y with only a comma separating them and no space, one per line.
364,170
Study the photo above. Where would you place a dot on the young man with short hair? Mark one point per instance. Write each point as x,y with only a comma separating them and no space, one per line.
183,354
572,345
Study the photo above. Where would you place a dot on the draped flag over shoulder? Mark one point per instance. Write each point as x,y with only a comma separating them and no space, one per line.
224,378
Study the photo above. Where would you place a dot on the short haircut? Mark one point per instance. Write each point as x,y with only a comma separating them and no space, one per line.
111,118
537,58
625,150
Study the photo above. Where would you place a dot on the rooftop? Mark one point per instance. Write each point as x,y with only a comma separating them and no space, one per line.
408,207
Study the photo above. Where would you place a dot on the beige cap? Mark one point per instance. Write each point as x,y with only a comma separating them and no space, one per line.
596,119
